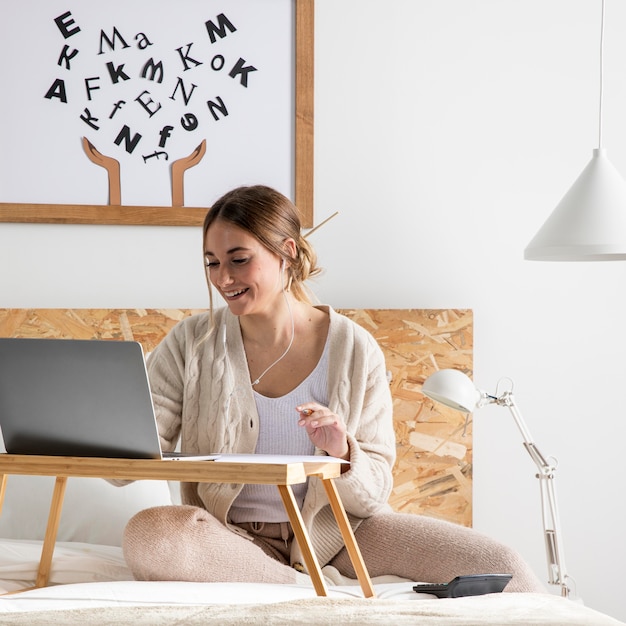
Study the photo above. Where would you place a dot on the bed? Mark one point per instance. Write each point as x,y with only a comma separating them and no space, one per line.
90,583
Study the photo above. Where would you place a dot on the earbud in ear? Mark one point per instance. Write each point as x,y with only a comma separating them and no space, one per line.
282,267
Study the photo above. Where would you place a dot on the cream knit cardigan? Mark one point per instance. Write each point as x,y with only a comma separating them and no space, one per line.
201,391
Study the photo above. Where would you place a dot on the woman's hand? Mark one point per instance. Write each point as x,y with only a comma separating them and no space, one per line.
325,429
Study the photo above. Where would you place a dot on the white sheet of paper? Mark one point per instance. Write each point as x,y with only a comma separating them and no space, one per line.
276,458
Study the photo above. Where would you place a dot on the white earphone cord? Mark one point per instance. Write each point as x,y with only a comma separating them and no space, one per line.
293,332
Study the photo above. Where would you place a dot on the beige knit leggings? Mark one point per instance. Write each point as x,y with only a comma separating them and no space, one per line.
187,543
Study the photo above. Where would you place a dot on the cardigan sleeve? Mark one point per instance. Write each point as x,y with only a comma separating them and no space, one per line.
364,401
166,370
168,373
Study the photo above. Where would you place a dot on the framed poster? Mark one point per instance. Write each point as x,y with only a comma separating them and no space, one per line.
145,111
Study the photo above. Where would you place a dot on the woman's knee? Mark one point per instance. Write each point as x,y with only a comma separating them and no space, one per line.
163,543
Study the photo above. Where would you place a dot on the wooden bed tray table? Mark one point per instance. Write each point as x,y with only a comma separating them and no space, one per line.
283,475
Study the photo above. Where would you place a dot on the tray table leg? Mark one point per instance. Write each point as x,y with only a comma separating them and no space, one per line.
3,489
56,506
348,537
302,537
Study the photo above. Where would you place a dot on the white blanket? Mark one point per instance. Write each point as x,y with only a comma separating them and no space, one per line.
158,603
93,587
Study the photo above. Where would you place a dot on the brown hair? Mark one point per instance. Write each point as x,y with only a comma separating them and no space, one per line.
272,218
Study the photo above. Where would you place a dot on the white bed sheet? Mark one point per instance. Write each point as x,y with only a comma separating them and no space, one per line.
138,593
111,582
73,562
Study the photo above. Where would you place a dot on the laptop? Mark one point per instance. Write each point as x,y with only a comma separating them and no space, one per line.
76,397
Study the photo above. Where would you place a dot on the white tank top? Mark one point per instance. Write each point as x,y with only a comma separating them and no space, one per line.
279,433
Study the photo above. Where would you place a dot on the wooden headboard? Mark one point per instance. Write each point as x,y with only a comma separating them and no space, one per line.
433,472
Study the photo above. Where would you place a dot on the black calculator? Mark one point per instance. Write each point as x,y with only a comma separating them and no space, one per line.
470,585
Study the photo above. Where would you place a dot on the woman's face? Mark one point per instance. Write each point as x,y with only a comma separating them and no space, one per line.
246,273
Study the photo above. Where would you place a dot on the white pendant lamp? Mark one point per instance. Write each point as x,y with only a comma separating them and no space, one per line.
589,224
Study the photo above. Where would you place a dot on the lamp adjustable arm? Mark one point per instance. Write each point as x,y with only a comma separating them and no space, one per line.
557,573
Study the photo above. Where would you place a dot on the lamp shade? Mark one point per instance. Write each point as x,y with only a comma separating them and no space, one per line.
589,224
452,388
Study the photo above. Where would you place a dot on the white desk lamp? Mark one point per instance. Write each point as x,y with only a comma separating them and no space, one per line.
455,390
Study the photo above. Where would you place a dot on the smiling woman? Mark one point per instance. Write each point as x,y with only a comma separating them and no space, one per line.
271,373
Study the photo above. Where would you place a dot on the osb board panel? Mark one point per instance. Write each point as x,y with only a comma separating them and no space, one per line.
433,472
147,326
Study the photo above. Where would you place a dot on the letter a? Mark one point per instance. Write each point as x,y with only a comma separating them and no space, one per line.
57,91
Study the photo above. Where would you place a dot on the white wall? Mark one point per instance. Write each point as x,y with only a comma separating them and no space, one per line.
446,131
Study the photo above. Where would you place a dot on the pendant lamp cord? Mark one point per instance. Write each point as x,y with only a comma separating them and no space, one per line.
601,76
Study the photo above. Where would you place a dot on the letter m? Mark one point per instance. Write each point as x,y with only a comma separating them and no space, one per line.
111,42
223,23
154,69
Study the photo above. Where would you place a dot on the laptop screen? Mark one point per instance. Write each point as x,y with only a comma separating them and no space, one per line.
76,398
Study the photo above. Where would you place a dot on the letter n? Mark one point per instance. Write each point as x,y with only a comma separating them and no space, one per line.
181,85
213,107
129,143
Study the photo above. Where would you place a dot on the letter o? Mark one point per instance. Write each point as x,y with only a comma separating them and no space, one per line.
220,62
